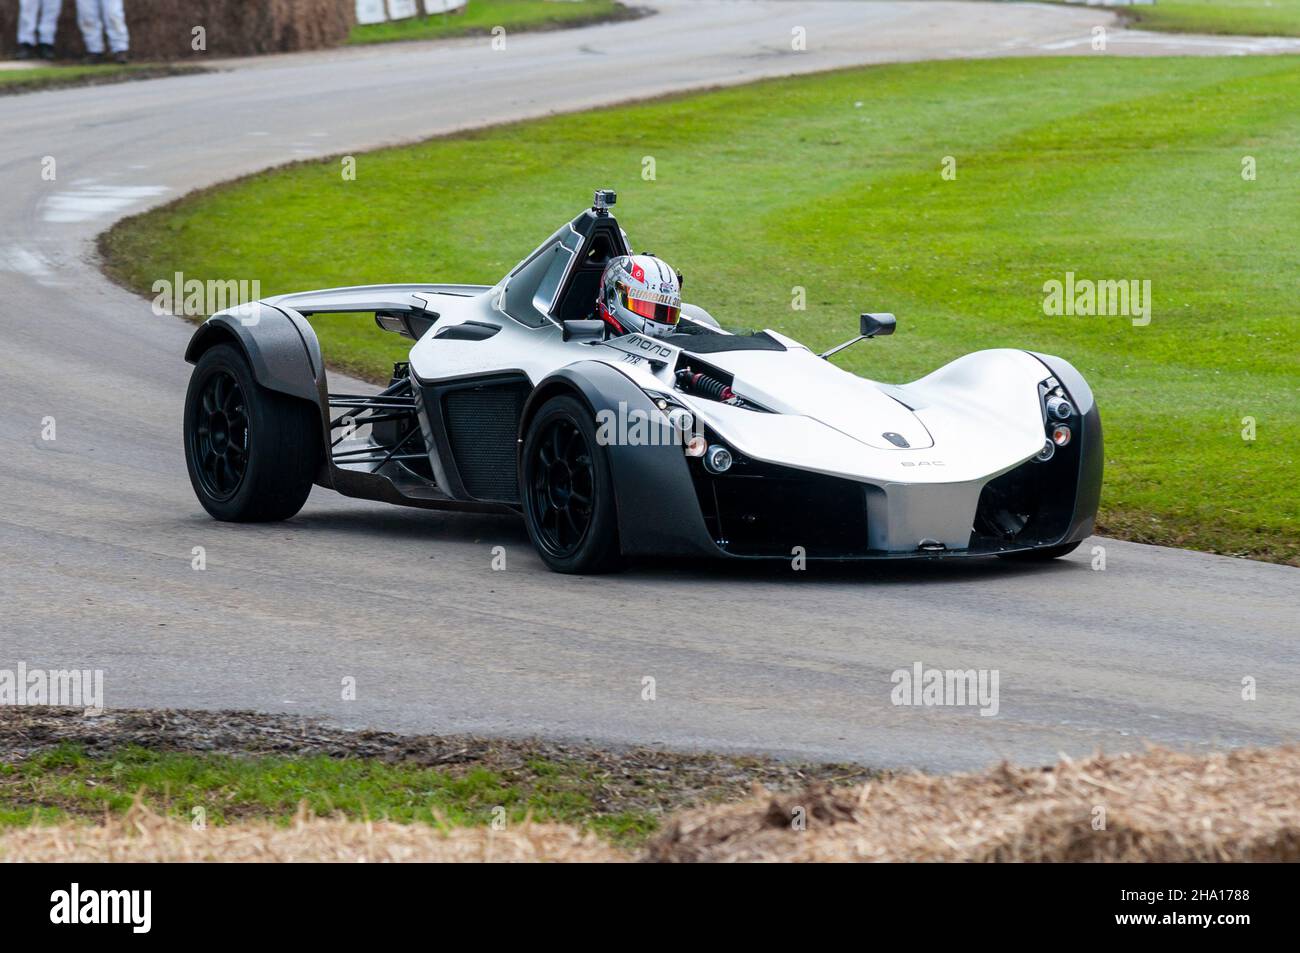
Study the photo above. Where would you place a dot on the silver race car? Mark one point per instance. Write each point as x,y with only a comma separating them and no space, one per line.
668,437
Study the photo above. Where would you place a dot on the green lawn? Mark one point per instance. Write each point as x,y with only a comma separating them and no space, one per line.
1244,17
1111,168
55,77
480,16
464,782
66,783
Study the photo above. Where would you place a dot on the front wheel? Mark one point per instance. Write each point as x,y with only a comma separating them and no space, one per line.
252,453
568,491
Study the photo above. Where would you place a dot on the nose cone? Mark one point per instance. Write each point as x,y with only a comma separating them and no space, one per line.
858,409
799,382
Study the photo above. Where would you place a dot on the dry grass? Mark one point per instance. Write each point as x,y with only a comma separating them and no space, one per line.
144,836
1160,806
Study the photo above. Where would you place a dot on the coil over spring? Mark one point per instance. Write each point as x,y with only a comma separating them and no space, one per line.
704,385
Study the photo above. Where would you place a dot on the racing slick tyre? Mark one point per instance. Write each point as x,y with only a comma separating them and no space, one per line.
1041,555
568,490
252,453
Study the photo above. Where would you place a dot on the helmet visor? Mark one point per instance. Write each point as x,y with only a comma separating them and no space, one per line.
652,310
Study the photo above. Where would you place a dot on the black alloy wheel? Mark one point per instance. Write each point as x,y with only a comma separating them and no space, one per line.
219,435
252,453
563,479
568,490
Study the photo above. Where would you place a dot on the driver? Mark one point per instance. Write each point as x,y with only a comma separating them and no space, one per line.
639,293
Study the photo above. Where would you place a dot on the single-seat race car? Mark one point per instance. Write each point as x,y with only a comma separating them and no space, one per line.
699,442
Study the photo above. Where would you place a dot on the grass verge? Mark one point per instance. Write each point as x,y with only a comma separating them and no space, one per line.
40,78
123,787
1233,17
69,783
828,191
240,767
482,16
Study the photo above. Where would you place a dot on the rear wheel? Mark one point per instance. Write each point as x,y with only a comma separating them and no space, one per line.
1042,555
568,491
252,453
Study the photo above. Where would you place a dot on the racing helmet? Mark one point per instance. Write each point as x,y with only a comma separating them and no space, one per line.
639,293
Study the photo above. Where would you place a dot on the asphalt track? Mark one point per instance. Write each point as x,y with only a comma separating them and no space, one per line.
98,526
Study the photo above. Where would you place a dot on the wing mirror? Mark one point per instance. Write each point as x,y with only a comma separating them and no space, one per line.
869,326
873,325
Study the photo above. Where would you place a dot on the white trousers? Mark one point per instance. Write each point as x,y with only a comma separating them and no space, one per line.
37,20
97,17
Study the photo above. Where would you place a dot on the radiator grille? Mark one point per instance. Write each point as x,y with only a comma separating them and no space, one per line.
758,509
482,426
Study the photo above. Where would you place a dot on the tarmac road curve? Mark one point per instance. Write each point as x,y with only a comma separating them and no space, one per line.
99,527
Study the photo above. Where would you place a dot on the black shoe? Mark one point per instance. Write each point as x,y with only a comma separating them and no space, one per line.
93,59
25,51
121,59
47,51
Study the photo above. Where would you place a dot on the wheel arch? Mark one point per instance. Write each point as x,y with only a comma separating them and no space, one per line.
658,510
554,386
282,350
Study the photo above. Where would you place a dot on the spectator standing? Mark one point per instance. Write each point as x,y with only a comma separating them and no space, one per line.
97,17
37,22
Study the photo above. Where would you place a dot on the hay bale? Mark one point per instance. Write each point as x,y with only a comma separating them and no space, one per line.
1160,806
163,29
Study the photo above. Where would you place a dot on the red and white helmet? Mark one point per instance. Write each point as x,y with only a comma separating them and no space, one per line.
639,293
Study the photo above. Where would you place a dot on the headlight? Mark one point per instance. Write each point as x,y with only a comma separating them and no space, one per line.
1059,408
718,459
677,415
